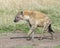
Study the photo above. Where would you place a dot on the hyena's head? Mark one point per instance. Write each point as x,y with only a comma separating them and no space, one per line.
19,16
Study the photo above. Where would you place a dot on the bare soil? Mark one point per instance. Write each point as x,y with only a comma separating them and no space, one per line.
7,42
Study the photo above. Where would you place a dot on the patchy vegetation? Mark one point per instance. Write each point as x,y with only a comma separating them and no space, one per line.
57,46
9,9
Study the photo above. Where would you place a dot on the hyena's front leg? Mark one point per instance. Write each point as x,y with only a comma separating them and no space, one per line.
31,31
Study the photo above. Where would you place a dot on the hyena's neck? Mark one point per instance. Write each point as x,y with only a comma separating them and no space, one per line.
26,17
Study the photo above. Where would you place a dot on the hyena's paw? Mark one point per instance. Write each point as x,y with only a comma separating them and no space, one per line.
40,38
52,38
29,38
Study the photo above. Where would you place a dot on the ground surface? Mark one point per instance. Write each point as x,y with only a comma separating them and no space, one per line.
6,42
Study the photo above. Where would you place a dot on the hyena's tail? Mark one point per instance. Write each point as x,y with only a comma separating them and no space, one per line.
50,29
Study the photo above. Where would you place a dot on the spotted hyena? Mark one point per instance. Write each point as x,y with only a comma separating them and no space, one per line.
35,19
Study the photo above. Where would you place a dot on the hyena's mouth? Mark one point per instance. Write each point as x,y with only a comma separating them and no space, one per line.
15,20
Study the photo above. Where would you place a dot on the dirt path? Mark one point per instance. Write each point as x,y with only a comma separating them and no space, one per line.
6,42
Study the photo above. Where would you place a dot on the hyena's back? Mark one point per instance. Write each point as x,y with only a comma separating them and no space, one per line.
38,18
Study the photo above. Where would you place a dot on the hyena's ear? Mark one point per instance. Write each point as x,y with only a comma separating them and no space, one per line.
21,12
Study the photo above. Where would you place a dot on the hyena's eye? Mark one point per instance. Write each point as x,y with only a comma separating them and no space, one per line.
17,17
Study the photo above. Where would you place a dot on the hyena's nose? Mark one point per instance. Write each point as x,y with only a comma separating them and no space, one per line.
14,20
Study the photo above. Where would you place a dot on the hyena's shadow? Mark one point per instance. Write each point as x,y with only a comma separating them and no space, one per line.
23,37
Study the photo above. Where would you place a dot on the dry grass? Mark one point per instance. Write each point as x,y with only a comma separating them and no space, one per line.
27,4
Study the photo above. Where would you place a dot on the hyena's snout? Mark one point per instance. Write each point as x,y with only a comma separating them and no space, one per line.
16,20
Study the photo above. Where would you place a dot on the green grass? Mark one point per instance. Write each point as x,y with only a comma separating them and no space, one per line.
7,14
57,46
22,27
24,47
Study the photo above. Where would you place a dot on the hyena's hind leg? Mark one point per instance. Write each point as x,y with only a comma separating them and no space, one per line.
45,29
